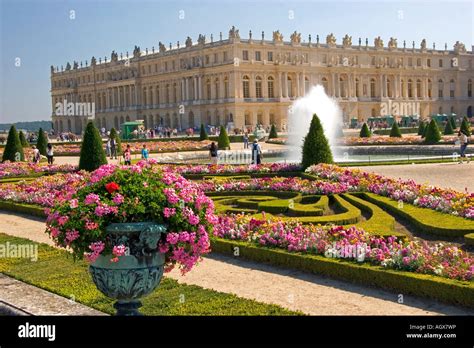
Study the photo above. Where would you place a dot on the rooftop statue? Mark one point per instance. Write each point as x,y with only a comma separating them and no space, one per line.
331,40
162,47
392,44
277,36
202,39
189,42
295,37
347,41
234,33
136,52
378,42
423,44
459,47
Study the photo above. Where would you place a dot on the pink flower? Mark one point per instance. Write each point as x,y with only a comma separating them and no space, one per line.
92,198
168,212
73,203
118,199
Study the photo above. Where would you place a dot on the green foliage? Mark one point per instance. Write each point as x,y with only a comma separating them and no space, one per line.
465,126
448,129
118,141
92,152
453,122
421,128
395,131
42,142
203,134
223,141
12,147
364,131
23,140
442,289
469,239
57,273
432,134
273,133
316,147
30,126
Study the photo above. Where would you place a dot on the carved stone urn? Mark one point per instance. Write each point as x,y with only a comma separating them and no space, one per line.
138,272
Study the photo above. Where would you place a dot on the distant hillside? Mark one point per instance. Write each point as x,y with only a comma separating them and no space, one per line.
29,126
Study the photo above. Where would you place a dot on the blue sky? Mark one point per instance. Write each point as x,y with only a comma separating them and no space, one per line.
41,32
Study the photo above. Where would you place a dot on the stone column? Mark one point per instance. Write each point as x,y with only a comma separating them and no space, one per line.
280,89
199,87
381,85
285,84
187,87
333,76
298,84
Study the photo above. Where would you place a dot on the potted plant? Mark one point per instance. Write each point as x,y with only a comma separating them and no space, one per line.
132,224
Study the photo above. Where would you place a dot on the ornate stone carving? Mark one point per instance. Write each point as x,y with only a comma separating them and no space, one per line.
378,43
75,65
392,44
295,38
162,47
189,41
459,47
136,52
331,40
423,44
113,56
277,37
347,41
234,33
201,39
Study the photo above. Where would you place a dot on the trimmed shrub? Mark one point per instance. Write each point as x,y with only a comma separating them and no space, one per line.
421,128
203,134
13,146
118,141
469,239
316,146
42,142
448,129
92,151
223,141
23,141
395,132
364,131
453,122
273,133
432,134
465,126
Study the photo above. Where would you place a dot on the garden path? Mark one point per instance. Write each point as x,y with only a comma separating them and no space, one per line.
311,294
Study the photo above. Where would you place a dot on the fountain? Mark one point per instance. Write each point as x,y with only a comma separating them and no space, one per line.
316,101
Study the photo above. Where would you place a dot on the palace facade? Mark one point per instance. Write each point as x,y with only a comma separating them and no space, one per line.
243,82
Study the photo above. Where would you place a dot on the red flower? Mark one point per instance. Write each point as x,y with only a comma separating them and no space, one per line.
111,187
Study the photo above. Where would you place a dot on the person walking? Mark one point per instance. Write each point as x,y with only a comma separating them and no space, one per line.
127,156
107,148
50,153
145,153
246,141
36,155
256,152
463,141
113,148
213,153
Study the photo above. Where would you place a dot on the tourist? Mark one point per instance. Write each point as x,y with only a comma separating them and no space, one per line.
113,148
107,148
127,156
256,152
246,141
36,155
213,153
463,141
50,153
145,153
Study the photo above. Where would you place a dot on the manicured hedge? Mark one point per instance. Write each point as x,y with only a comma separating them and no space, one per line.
442,289
424,219
29,209
402,130
193,176
469,239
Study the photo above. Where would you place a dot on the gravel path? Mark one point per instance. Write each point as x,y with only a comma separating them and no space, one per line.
295,290
447,175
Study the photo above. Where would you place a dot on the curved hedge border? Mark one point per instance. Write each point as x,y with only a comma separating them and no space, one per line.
469,239
442,289
424,219
29,209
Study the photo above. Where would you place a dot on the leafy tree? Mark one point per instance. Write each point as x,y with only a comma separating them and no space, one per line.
23,140
223,141
92,151
432,134
453,122
203,134
273,132
42,142
421,128
466,126
364,131
316,146
395,131
13,147
448,129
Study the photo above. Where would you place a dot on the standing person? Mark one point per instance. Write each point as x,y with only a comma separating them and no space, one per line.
246,141
107,148
213,153
256,152
145,153
36,155
127,156
463,141
50,153
113,148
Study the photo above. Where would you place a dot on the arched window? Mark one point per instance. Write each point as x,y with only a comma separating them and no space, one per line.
389,88
290,87
306,85
325,84
271,87
246,86
451,89
357,88
258,87
342,88
150,94
226,87
175,93
418,88
260,118
208,88
430,88
469,88
144,95
410,88
157,88
167,94
372,88
216,87
440,88
248,121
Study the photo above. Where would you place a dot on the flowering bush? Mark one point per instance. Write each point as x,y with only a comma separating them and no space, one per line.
233,169
386,140
350,243
134,194
444,200
10,169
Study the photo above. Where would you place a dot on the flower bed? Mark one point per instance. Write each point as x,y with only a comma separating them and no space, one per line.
386,140
233,169
11,169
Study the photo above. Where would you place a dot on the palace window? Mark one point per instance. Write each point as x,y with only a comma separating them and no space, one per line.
418,88
372,60
166,66
226,87
270,56
216,58
245,55
149,69
156,68
208,88
216,87
428,63
288,57
410,61
342,88
271,91
440,63
372,88
469,88
430,87
440,88
389,88
410,88
325,59
290,87
451,89
418,62
325,84
258,56
357,88
246,87
452,109
225,56
258,87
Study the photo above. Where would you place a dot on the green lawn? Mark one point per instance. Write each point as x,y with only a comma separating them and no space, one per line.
58,273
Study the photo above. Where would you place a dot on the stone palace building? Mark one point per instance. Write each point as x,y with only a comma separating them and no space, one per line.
238,83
